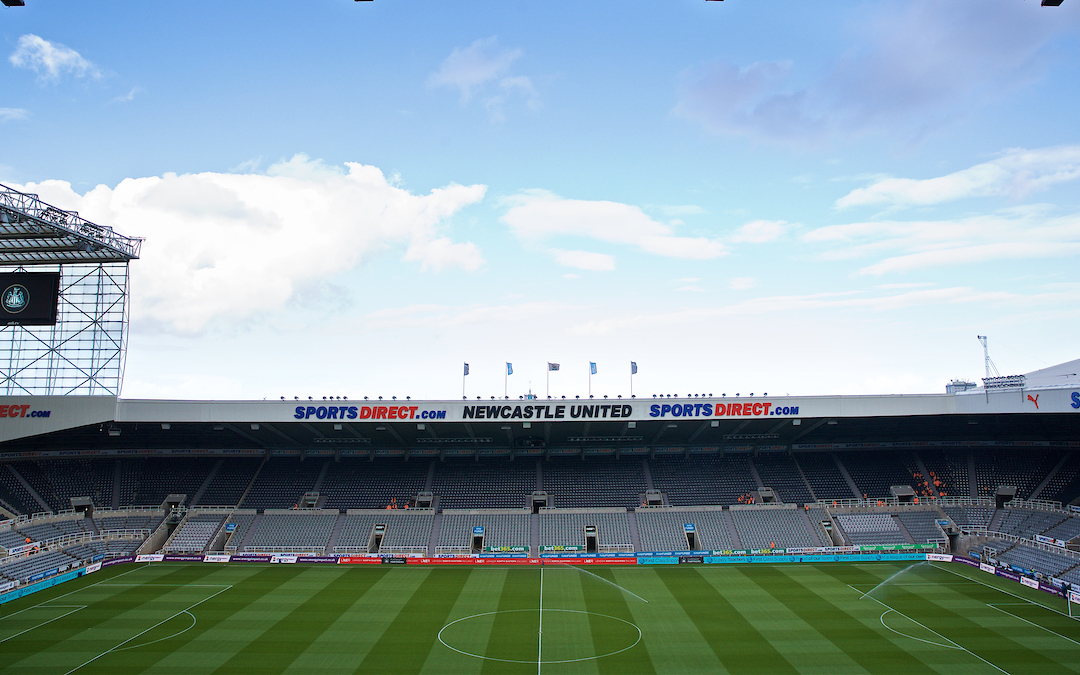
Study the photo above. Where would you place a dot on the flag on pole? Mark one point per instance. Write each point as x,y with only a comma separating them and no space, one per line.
633,368
553,366
466,369
592,367
509,368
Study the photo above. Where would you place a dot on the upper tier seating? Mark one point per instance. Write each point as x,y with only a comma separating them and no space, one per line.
594,482
1023,469
871,528
875,472
779,471
700,480
823,475
922,526
15,495
467,484
58,481
770,527
282,482
150,480
230,481
363,484
140,521
1028,522
1063,485
950,469
964,516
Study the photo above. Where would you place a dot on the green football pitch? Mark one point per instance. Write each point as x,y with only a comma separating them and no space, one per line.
795,618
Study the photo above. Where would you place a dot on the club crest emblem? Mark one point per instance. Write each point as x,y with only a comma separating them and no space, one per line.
15,298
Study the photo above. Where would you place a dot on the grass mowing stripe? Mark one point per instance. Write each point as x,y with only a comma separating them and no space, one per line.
405,644
609,599
282,643
736,643
69,636
862,644
514,634
178,652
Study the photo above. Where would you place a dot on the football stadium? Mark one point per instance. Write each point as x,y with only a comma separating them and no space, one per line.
676,534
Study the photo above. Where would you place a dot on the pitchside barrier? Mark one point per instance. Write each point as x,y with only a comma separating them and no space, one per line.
887,553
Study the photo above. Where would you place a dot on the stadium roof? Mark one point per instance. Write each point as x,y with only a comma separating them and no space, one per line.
35,233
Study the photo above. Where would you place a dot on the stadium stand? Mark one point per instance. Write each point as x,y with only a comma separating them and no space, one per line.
970,515
229,483
243,521
779,471
500,529
1064,484
1021,522
194,533
922,526
15,495
664,529
703,479
871,528
875,472
950,469
136,520
282,482
150,480
22,569
566,527
467,484
773,527
594,482
364,484
823,476
1024,469
57,482
291,532
407,531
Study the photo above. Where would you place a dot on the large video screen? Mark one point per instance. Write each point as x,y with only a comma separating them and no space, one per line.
29,298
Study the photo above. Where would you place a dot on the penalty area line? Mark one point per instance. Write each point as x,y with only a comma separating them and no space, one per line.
12,637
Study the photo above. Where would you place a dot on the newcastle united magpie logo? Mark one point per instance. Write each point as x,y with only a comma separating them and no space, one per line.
15,298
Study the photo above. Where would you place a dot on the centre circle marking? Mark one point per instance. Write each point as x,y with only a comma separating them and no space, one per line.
568,611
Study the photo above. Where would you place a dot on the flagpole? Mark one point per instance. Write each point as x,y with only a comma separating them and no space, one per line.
506,377
547,385
590,380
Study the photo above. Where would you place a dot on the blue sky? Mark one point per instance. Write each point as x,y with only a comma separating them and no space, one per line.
347,198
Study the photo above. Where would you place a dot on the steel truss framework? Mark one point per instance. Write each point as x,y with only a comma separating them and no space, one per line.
85,352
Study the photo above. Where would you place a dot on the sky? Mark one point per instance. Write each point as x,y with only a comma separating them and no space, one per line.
356,198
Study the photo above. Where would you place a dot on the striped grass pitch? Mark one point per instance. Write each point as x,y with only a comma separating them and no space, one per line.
827,618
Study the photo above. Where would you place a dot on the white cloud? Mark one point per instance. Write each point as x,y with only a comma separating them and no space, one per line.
690,289
125,98
742,283
909,66
11,114
223,246
483,69
539,215
1012,234
1016,173
760,231
50,60
585,260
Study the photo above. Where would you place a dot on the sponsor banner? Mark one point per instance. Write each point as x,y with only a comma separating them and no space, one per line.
316,559
117,561
216,557
149,557
230,527
457,555
838,557
599,561
179,557
90,569
283,558
658,560
691,559
41,586
561,548
669,554
359,560
1051,589
504,555
966,561
989,569
4,588
1007,574
940,557
598,555
24,548
1030,583
474,561
393,561
506,549
251,558
1074,597
1050,540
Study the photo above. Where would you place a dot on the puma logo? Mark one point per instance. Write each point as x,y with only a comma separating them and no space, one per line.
1034,400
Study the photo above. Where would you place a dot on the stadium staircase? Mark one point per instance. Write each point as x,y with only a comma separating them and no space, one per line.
808,485
754,473
118,475
973,481
322,476
534,530
995,523
251,483
904,531
332,542
732,532
635,539
251,528
811,528
847,476
1037,492
925,474
26,486
436,529
648,474
206,483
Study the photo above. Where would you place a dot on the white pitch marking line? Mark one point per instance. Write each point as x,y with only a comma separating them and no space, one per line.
958,646
72,592
912,637
167,637
540,632
11,637
1033,623
112,649
1002,590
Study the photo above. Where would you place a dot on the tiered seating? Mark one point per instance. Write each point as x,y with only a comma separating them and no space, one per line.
500,529
664,530
1023,469
1028,522
703,479
282,482
467,484
22,569
871,528
595,482
41,531
243,524
816,515
771,527
292,531
558,528
11,539
158,477
355,532
778,471
922,526
194,533
1062,486
56,481
407,531
1066,530
1036,560
969,516
230,481
16,496
823,476
363,484
875,472
129,522
950,468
